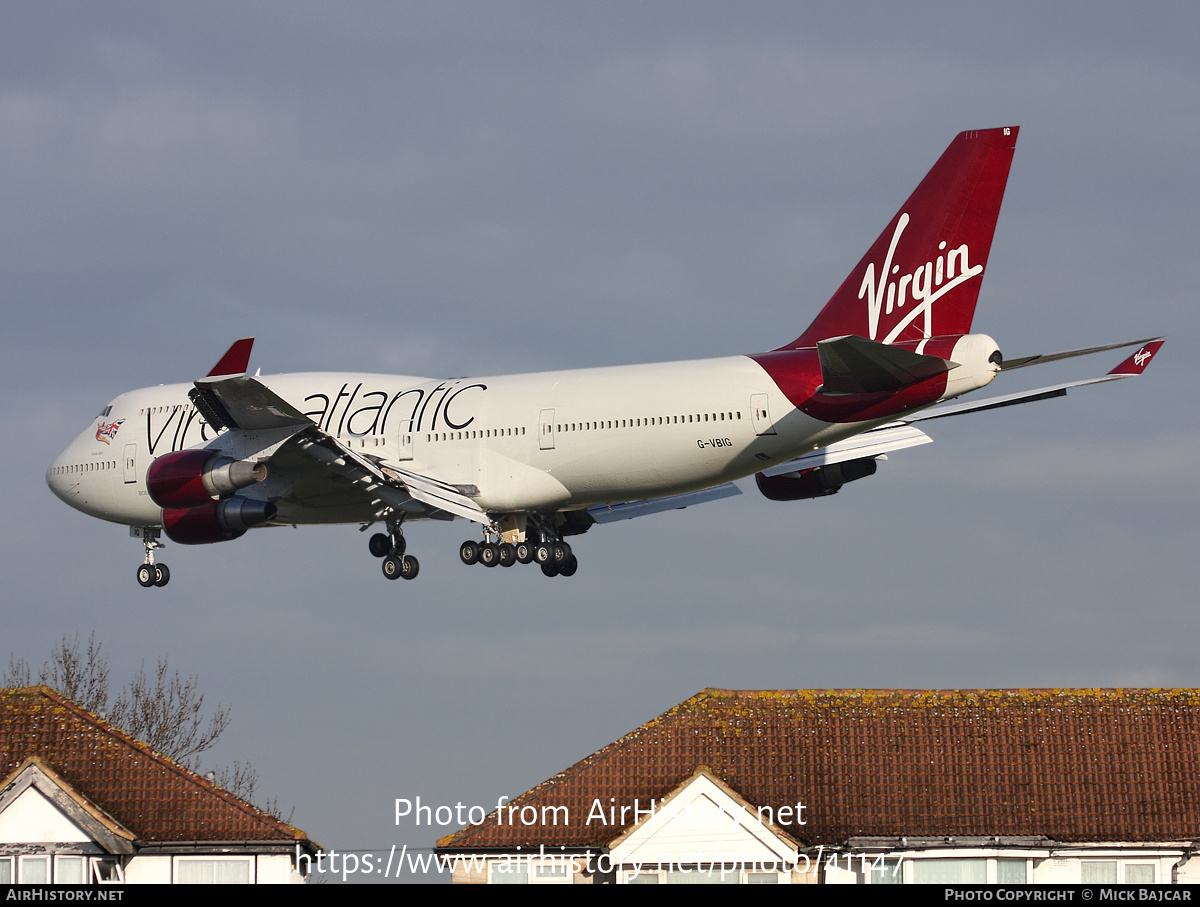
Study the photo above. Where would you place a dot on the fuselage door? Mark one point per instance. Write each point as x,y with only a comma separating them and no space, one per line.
129,461
404,447
760,415
546,430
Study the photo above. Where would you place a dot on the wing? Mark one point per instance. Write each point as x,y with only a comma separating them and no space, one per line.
318,472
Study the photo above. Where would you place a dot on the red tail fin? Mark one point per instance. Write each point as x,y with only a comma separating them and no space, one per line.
934,250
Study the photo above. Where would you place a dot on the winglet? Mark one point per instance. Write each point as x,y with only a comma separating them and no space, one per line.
1136,364
236,359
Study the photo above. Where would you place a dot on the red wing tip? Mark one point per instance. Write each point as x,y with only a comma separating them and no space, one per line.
236,359
1137,362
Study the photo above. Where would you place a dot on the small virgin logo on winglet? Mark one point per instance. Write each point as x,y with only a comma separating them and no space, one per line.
1142,356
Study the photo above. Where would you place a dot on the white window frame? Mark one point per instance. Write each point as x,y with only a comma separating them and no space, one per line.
991,858
1153,871
96,863
626,875
558,872
1112,861
520,876
82,862
177,863
23,862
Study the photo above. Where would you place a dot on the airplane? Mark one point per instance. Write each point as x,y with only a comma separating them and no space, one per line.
535,459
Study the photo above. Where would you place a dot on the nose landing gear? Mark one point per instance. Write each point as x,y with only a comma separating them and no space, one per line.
149,573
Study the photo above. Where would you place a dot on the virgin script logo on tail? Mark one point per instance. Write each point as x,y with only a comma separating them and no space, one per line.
923,287
1142,356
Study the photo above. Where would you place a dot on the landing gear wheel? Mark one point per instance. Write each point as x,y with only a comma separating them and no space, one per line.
569,567
163,574
468,553
489,555
380,545
562,552
550,568
508,555
409,568
524,552
393,568
147,575
544,554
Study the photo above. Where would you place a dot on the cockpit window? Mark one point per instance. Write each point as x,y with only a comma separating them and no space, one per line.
104,413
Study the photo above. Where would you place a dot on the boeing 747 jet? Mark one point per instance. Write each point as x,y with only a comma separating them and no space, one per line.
539,458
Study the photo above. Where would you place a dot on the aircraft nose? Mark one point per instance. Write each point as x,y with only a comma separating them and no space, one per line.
66,473
57,476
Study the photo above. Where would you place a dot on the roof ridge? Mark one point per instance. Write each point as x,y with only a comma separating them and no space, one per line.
717,691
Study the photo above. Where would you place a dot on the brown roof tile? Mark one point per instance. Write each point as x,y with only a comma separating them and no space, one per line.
154,797
1072,765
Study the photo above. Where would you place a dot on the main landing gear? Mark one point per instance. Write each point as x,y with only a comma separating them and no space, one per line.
149,573
551,553
390,547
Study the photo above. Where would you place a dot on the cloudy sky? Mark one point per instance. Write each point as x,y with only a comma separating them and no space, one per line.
449,189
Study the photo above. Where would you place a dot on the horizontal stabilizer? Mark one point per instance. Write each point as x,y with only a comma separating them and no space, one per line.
869,444
1010,364
610,513
854,365
1132,366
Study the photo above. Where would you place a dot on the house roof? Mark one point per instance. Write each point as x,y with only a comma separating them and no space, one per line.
154,797
35,773
1071,765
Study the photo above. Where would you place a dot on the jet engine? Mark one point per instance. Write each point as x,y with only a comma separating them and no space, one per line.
193,478
816,482
215,521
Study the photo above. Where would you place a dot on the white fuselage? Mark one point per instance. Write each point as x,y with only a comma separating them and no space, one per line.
547,441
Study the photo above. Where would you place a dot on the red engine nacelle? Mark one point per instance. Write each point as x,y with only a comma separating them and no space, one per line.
814,483
215,522
193,478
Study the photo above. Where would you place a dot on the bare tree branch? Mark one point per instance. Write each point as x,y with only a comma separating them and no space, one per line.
83,678
17,674
241,780
167,713
164,710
